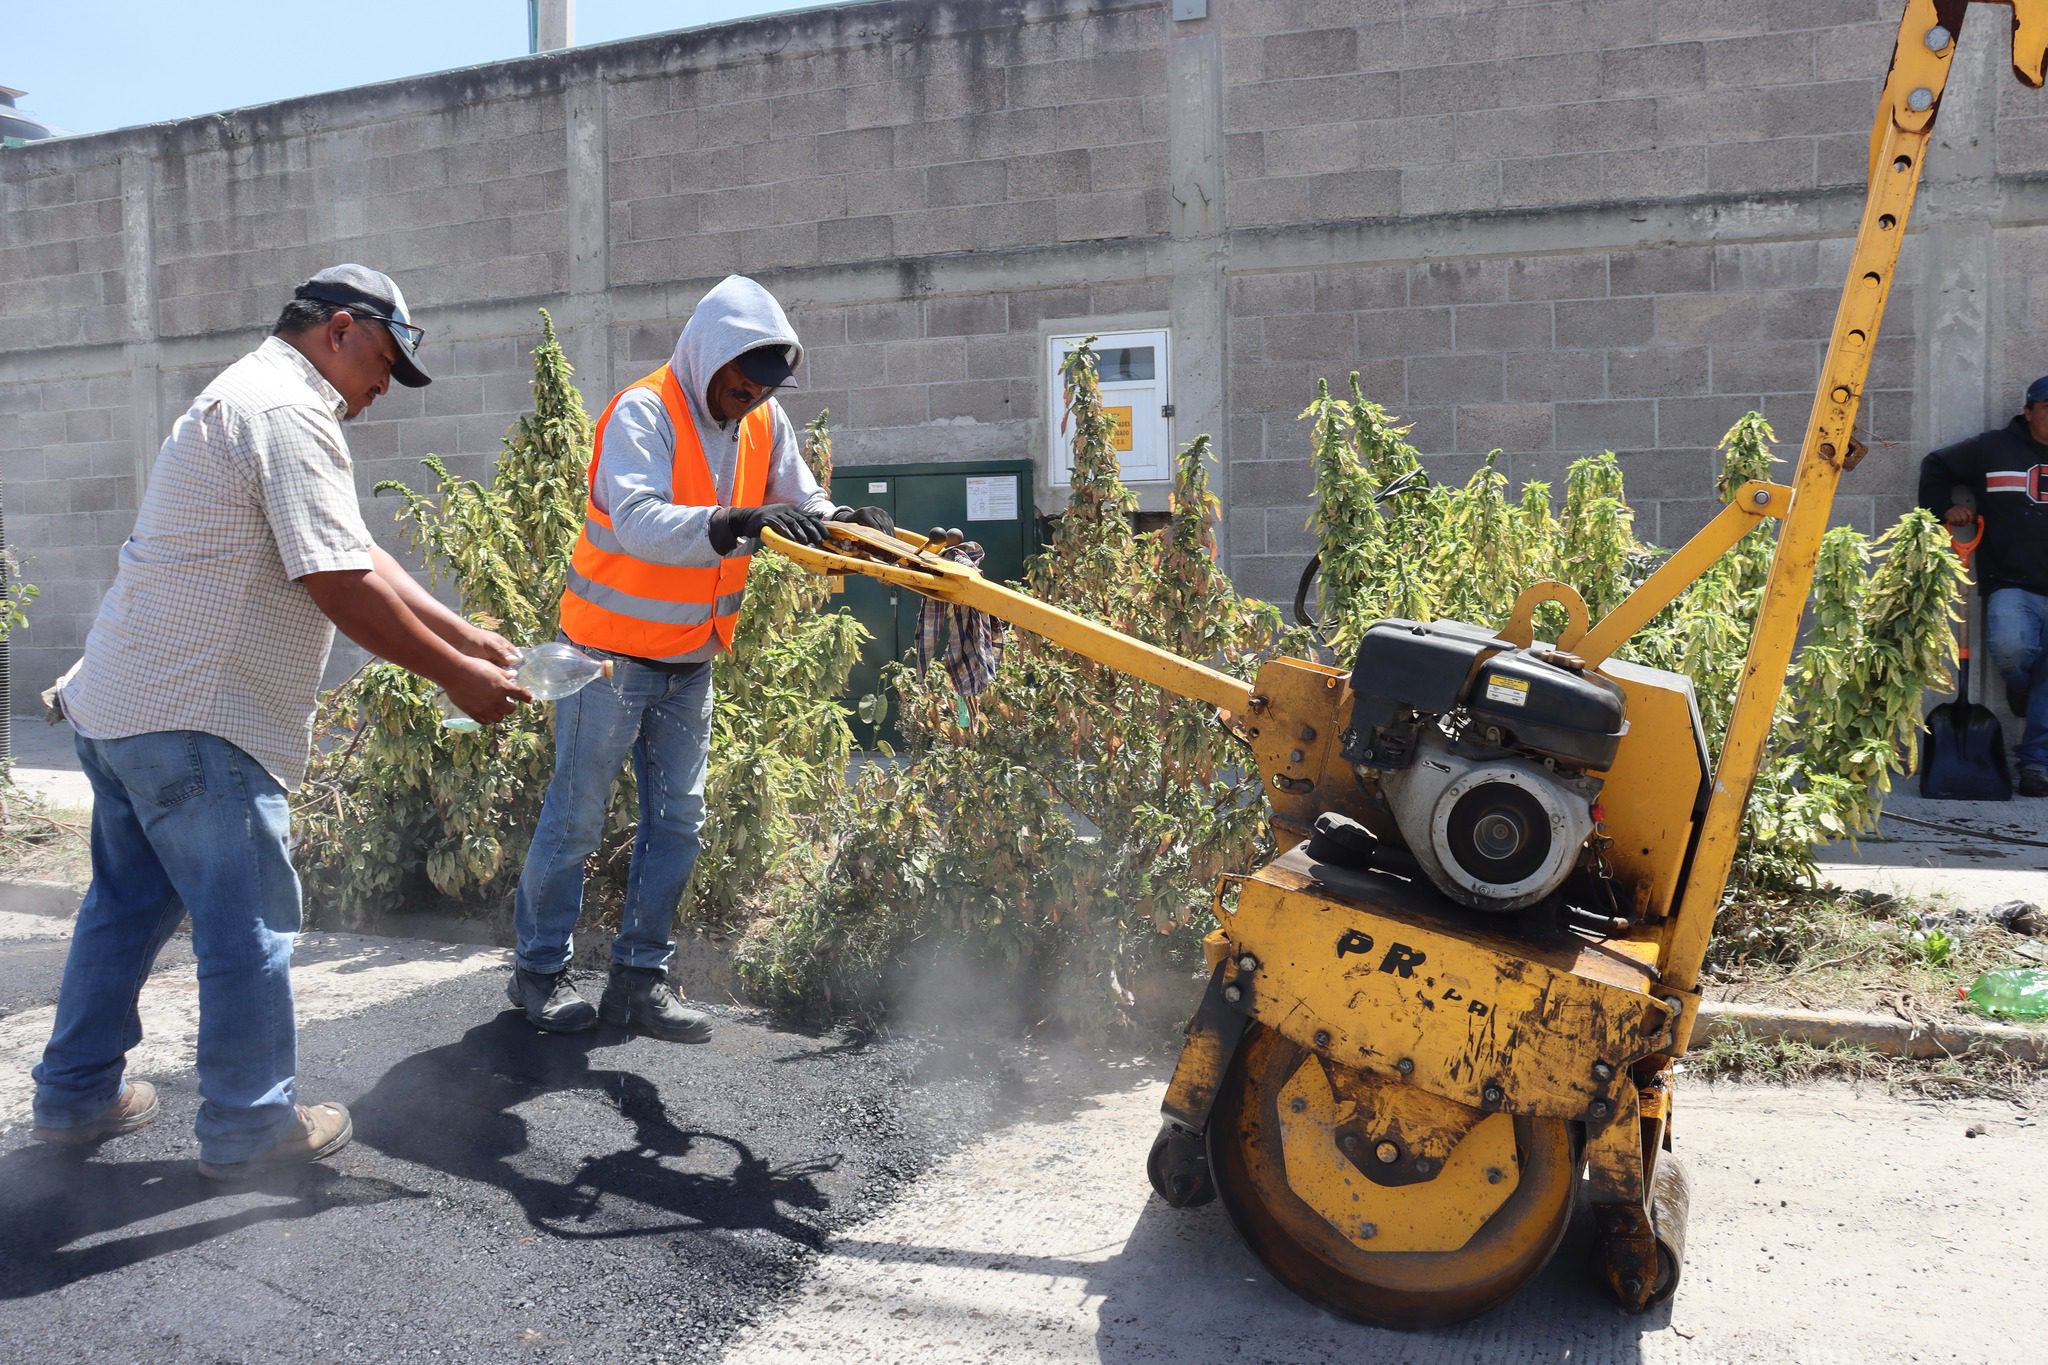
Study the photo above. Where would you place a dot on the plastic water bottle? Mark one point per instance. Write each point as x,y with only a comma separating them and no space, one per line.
550,671
2014,992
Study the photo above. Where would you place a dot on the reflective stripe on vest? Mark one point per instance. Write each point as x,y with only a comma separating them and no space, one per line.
661,611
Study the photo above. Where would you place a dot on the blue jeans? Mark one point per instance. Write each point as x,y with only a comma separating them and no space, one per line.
2016,639
663,721
182,821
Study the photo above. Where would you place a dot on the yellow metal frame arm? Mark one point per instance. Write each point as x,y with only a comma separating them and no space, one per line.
1921,61
902,560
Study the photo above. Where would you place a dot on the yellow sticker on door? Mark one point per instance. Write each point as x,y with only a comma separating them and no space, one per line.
1507,691
1119,439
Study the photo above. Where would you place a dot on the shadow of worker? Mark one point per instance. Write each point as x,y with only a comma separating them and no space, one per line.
455,1109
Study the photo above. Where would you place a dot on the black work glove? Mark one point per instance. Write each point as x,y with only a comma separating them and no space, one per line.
784,518
874,518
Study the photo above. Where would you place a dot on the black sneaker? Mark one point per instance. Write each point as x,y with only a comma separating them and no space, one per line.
550,1001
2033,782
639,998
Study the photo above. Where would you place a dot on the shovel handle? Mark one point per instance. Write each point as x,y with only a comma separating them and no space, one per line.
1966,549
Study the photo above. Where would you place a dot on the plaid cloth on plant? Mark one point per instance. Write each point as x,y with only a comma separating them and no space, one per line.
975,648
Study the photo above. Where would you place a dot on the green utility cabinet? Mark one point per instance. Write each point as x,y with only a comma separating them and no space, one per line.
990,500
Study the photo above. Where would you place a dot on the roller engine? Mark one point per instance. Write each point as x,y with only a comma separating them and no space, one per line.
1478,753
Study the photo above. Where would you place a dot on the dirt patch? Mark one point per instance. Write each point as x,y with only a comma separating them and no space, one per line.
43,843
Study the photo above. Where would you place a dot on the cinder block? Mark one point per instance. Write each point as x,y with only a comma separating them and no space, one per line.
1658,173
785,247
1464,281
1091,217
1815,110
966,182
650,220
772,161
933,231
1762,167
1481,427
1607,125
1047,174
741,208
978,315
1133,164
1313,149
924,361
1343,197
1549,180
1617,424
1315,52
1804,313
1702,118
808,201
1404,332
1271,483
1502,326
1451,88
1244,156
846,367
889,406
1658,371
1350,290
1707,317
855,149
1311,339
898,321
1768,59
1000,226
1701,422
1455,379
856,239
1578,276
977,400
1766,367
1260,295
1002,357
1658,70
1463,187
870,193
1555,376
1661,270
1267,203
1492,134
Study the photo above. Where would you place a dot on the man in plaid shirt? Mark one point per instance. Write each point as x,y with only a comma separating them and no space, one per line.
194,709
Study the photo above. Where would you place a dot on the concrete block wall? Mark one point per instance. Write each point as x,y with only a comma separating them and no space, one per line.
1546,227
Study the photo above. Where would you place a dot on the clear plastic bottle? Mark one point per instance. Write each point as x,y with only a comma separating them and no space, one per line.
550,671
2013,992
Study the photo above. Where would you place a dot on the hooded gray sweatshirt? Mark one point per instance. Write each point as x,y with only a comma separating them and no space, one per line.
635,483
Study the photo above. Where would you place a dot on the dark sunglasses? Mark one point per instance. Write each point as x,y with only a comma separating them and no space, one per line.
404,331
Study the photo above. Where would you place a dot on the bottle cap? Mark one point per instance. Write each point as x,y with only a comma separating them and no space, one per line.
604,668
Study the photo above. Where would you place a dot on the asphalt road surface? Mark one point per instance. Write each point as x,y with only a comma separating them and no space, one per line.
775,1197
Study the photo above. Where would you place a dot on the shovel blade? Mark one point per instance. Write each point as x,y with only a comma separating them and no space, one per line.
1962,755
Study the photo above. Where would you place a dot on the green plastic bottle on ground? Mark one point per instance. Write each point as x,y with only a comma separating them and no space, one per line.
2013,993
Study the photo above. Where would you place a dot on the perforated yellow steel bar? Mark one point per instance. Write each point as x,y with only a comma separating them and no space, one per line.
1905,122
901,560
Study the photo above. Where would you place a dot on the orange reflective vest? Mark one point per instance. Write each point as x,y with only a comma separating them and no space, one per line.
615,602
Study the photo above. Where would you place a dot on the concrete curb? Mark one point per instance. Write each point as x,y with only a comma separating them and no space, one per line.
1883,1033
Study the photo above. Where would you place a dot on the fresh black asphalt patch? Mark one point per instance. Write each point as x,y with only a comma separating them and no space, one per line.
510,1194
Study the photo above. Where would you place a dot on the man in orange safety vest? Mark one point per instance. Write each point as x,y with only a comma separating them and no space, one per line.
691,464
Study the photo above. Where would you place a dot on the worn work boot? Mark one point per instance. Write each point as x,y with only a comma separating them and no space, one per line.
136,1107
638,998
2033,782
550,1001
323,1130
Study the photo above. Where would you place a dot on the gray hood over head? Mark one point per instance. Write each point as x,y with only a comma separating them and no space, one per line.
735,317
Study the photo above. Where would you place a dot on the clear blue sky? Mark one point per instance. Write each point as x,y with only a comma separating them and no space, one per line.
91,65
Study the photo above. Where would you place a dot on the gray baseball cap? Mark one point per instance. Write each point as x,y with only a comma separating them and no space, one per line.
372,294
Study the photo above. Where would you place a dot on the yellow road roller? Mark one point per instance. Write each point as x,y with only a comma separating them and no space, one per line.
1410,1058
